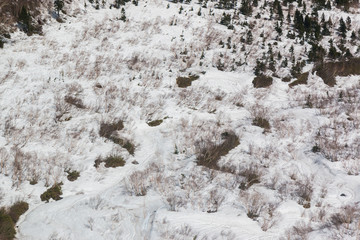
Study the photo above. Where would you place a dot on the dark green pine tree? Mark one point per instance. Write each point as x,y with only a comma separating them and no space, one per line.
333,53
123,16
342,28
59,5
299,22
246,7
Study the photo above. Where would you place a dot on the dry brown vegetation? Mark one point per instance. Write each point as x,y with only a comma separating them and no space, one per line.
329,70
184,82
209,153
10,10
301,79
262,81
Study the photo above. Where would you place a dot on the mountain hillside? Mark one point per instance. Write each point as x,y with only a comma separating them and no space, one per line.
185,119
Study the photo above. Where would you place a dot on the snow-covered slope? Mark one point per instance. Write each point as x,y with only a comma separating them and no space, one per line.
294,179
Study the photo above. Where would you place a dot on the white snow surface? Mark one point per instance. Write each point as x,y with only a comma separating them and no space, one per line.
128,70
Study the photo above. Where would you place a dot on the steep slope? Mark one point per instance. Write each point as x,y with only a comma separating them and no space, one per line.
291,172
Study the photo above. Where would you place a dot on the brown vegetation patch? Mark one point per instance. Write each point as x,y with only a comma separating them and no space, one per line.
209,153
107,129
329,70
262,81
155,123
112,161
301,79
184,82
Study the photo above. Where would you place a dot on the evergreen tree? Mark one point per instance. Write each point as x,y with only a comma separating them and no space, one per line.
353,36
246,8
225,19
123,16
333,53
348,23
342,28
59,5
299,22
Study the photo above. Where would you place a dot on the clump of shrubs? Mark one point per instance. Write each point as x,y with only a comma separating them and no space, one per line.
262,81
7,226
301,79
209,153
72,175
130,147
9,218
155,123
107,129
77,102
18,209
329,70
112,161
262,122
184,82
54,192
252,175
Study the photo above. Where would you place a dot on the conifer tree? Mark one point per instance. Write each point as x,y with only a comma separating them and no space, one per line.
342,28
59,5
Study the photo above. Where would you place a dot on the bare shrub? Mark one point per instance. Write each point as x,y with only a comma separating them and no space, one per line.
252,175
253,203
304,190
107,129
209,153
346,216
174,201
214,201
300,231
137,183
77,102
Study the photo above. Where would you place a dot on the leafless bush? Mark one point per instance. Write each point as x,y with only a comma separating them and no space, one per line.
209,153
253,203
77,102
175,201
137,183
61,108
346,216
300,231
215,200
304,190
252,175
269,217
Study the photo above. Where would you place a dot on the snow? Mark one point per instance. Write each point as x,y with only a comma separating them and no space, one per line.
136,63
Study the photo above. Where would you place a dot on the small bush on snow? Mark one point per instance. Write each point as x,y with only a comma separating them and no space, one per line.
54,192
112,161
209,153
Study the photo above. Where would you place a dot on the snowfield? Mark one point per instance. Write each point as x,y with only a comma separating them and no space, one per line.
296,179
